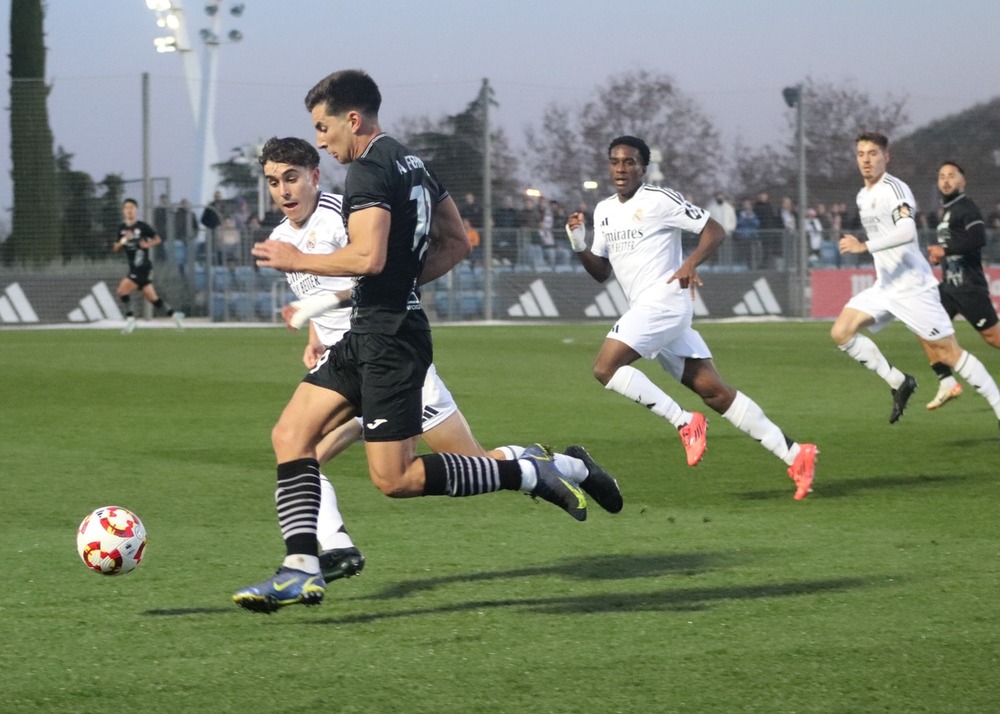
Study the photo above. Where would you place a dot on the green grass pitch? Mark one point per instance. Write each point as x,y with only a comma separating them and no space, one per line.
713,591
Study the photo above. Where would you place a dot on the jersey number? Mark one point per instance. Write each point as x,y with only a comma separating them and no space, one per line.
422,197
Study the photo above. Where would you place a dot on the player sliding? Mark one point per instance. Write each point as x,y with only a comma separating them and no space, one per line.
637,236
904,287
314,223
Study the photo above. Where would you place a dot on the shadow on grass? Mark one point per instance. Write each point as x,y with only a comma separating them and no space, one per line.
850,487
677,600
600,567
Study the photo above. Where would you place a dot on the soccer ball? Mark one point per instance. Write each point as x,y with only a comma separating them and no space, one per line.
111,540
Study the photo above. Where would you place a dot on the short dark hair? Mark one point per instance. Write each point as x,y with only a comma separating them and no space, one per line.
290,150
952,163
635,143
880,140
130,200
344,91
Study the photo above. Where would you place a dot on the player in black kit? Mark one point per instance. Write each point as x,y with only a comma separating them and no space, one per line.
961,235
137,239
404,230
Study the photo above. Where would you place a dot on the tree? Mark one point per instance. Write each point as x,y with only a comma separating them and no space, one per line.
81,233
835,115
453,148
35,234
571,145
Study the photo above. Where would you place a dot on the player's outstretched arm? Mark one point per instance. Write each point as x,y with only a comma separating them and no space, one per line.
449,243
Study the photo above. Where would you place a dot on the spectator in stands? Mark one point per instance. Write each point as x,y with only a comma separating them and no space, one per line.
814,235
529,219
227,243
770,228
723,212
471,209
789,215
505,222
476,256
241,213
161,212
746,236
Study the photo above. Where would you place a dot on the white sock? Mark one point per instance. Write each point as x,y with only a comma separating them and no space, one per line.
973,372
863,350
749,418
305,563
570,467
631,383
511,452
329,523
529,476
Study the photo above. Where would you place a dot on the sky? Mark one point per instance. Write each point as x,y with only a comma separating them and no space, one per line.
430,58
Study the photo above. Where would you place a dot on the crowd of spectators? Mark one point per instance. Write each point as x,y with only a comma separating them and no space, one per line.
527,230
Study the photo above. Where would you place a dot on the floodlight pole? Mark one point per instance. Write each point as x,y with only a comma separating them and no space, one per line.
795,97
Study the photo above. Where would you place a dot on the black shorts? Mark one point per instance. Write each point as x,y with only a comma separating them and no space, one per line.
974,305
383,377
142,278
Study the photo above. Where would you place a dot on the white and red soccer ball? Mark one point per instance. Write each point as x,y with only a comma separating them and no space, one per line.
111,540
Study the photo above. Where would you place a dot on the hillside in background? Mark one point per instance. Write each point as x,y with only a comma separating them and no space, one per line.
971,138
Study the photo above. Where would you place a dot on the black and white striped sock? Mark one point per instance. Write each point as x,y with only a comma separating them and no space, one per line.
455,475
297,499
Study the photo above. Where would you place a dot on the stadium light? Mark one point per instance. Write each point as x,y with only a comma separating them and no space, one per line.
533,192
590,185
165,44
200,75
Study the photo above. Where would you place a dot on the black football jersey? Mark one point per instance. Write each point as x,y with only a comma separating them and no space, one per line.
962,234
138,258
390,176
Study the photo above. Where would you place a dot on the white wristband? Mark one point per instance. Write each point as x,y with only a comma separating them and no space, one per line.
311,307
577,238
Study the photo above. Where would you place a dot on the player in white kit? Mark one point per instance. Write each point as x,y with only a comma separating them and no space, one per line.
905,287
314,224
637,236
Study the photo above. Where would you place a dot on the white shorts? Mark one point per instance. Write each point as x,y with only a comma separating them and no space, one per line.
664,336
922,313
438,402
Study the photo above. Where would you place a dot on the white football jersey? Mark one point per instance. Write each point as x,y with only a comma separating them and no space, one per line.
323,233
642,239
902,270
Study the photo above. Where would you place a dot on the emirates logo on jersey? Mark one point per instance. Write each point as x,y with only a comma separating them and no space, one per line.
311,240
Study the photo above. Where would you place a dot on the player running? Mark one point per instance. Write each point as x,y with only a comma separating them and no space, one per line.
137,239
637,236
314,223
961,236
904,287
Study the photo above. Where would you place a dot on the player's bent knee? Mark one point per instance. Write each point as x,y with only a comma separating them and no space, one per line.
393,488
604,373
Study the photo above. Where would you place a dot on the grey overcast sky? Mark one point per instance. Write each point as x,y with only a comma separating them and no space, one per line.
430,58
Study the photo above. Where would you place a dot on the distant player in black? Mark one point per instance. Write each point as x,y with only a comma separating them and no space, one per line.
404,229
138,239
961,235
